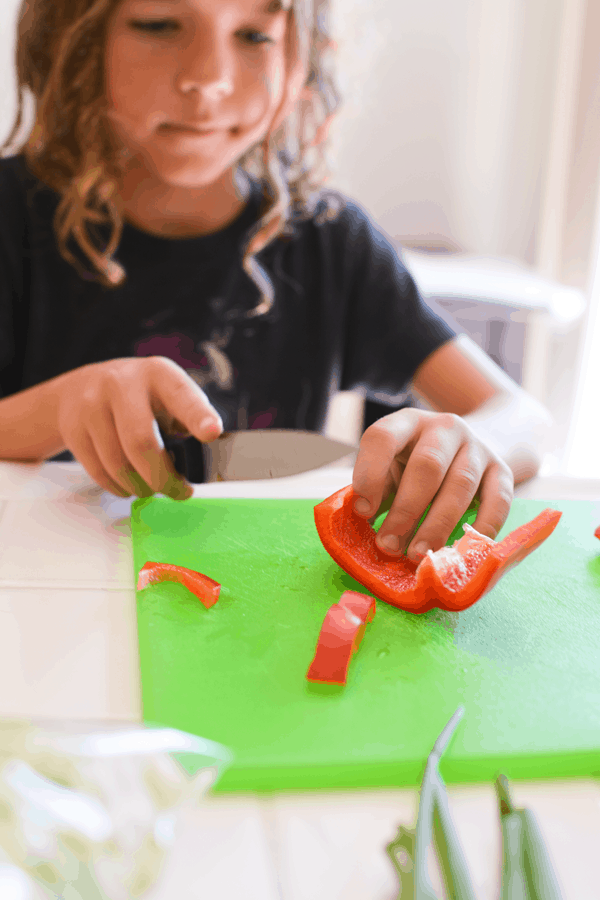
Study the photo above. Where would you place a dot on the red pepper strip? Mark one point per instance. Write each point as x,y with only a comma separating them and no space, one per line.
453,578
205,588
361,605
340,637
597,532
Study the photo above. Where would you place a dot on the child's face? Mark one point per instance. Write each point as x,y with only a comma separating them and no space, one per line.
193,84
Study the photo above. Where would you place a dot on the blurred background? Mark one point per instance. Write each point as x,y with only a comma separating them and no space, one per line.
481,157
471,132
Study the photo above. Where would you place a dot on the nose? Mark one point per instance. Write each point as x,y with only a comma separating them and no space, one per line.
207,69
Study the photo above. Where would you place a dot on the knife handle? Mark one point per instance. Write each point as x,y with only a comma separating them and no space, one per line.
194,461
176,449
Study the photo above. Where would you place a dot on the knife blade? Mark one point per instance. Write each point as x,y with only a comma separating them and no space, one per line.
261,453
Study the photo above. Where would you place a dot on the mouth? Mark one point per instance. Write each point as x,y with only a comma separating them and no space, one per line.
182,128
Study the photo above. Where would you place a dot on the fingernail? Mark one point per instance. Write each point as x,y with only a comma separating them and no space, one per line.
212,427
389,542
417,552
182,491
362,506
177,488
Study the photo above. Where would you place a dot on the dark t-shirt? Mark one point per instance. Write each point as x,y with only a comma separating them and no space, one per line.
347,314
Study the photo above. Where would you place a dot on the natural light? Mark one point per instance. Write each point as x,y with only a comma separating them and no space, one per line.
583,455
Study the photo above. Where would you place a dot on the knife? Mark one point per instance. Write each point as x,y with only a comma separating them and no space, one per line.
260,453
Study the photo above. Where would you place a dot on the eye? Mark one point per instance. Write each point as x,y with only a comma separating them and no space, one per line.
256,37
155,26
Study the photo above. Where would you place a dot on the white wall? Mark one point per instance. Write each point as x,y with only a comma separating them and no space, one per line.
8,14
447,109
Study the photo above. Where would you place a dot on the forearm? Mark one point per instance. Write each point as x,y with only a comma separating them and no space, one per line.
516,427
28,423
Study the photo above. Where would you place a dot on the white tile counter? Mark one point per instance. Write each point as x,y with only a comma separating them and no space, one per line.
68,650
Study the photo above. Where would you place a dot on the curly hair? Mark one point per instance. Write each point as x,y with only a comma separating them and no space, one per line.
60,61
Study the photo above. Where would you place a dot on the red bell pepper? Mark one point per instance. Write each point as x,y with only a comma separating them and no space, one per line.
361,605
597,532
206,589
453,578
341,633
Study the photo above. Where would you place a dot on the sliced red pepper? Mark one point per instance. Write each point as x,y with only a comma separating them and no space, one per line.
341,633
597,532
453,578
206,589
361,605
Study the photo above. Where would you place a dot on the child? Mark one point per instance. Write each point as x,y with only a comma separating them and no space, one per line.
169,258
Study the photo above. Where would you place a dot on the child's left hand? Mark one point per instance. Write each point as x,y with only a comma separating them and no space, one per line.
427,457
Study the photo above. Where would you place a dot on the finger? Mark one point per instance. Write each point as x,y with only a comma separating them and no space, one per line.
386,503
372,478
496,495
176,430
176,398
175,484
450,503
84,452
104,436
423,476
145,450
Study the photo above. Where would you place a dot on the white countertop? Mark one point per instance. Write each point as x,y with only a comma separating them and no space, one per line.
68,650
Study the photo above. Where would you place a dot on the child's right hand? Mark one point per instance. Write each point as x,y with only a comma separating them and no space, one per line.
108,415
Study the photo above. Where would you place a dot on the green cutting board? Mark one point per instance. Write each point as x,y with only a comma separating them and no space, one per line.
524,660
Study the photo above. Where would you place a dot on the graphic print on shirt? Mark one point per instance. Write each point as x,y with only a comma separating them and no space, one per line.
206,365
209,366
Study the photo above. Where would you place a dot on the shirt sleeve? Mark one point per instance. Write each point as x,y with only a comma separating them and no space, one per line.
390,329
